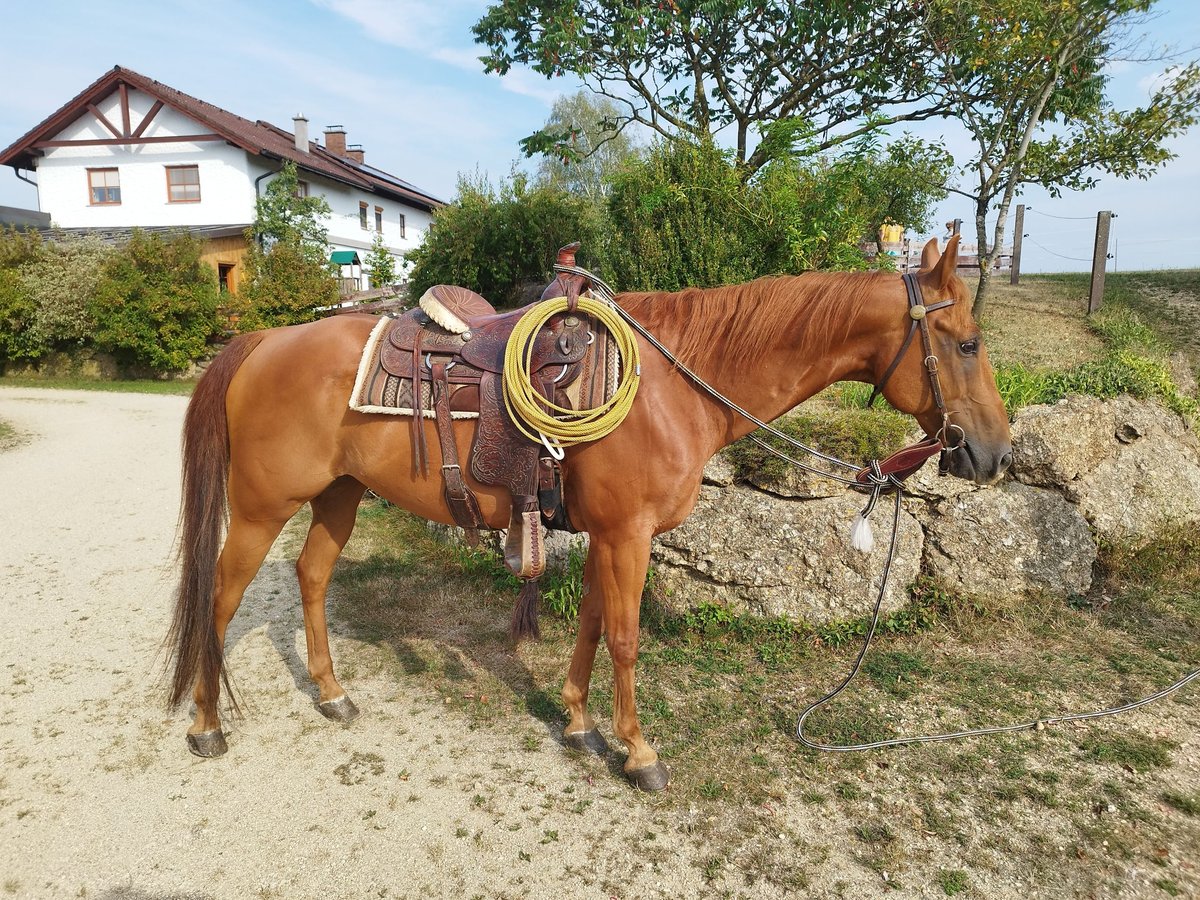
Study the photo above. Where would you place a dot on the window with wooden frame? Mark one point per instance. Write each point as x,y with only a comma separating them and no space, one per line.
401,224
362,215
379,218
104,187
301,189
183,184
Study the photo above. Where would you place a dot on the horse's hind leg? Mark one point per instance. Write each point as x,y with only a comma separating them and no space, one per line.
334,511
246,546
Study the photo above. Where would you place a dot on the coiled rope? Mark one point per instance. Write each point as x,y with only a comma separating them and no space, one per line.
541,419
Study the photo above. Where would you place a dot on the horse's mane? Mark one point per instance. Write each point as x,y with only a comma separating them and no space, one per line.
739,321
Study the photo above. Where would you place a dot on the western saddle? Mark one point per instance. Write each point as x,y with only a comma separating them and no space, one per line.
450,351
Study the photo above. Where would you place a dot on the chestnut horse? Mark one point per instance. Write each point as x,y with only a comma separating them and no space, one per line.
269,429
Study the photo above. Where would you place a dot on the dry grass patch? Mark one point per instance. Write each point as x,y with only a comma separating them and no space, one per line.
1040,324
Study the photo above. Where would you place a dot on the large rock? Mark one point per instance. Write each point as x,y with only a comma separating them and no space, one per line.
1056,445
1150,482
759,553
1131,466
1009,540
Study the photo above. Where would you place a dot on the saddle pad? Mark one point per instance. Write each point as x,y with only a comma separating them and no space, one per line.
378,391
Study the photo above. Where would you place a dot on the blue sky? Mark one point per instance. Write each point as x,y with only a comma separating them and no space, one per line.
403,78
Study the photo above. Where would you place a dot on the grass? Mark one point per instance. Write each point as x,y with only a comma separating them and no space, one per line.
848,432
718,693
9,436
131,386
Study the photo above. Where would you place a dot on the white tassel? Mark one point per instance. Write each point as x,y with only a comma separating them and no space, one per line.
861,536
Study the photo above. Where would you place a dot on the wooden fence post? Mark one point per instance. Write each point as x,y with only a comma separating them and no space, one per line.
1014,276
1099,260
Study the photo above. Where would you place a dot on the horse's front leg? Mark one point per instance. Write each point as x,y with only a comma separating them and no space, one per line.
581,732
619,575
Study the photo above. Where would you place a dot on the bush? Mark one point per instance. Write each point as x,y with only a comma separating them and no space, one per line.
283,286
681,218
60,281
156,304
17,341
493,240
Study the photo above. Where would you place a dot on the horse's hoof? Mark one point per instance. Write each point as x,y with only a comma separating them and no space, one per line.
208,744
339,709
586,742
650,778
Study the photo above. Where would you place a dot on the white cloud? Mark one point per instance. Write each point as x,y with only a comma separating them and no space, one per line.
435,30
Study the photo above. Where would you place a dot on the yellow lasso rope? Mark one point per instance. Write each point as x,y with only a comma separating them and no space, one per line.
540,419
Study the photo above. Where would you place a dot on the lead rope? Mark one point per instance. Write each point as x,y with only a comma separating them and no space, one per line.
878,483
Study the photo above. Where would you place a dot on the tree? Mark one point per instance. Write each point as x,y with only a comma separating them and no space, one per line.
287,276
380,263
1028,81
494,240
281,215
599,149
692,68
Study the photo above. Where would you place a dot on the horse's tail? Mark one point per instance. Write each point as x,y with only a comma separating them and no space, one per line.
193,640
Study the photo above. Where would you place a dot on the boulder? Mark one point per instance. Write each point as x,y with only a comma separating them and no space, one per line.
796,484
1056,445
1151,482
719,471
769,556
1010,539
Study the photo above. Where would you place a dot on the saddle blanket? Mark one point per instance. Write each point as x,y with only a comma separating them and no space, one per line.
376,390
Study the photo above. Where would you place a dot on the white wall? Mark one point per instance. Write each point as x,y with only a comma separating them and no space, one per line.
227,183
226,190
345,230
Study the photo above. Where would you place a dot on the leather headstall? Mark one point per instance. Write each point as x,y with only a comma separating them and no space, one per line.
903,463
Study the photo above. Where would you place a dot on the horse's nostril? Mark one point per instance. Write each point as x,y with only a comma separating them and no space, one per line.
1006,461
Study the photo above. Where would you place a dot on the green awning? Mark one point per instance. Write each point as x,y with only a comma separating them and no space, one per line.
344,258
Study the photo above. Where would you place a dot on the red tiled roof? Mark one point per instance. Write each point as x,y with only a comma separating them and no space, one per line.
259,138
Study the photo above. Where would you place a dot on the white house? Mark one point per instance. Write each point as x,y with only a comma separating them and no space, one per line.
129,151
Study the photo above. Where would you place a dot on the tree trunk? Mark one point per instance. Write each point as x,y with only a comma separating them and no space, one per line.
985,261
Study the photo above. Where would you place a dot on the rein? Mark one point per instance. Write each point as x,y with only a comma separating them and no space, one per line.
882,476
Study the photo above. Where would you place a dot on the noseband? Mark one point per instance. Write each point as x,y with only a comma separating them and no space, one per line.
917,312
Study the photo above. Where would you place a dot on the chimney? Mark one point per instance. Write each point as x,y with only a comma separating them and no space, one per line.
355,152
335,139
301,127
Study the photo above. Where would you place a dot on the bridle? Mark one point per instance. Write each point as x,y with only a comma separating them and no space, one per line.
917,313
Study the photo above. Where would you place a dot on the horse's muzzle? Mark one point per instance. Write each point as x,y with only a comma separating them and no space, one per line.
980,463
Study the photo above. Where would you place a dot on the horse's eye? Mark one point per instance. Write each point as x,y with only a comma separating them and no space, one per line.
969,348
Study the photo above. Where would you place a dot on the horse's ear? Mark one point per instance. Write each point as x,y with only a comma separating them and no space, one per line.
946,265
930,254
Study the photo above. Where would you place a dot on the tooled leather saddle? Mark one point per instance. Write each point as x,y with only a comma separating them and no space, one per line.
449,354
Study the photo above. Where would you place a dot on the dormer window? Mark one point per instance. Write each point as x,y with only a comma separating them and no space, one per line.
104,187
183,184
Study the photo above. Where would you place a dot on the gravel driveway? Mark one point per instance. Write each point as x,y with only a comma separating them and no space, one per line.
99,796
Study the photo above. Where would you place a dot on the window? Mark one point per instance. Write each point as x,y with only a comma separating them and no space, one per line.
183,184
401,224
379,218
225,277
301,188
362,215
104,187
